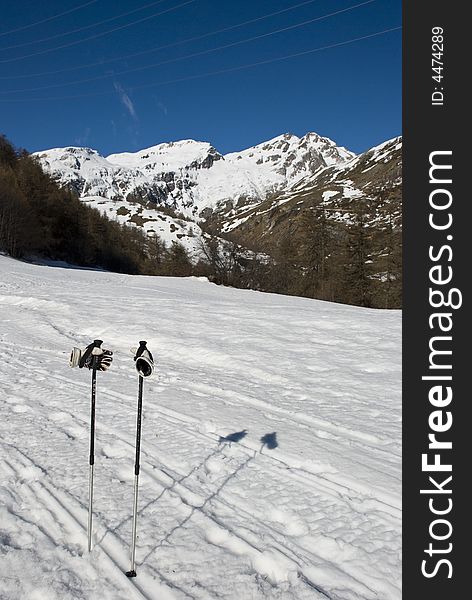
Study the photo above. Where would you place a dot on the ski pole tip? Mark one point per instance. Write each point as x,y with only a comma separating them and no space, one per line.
130,573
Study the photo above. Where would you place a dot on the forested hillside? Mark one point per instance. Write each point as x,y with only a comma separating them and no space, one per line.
38,218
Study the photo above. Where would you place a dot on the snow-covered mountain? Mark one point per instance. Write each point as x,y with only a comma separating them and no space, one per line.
190,176
374,176
174,189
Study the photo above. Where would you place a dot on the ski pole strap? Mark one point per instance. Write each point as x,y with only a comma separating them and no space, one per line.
88,351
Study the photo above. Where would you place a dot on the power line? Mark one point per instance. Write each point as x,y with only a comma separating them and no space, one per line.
52,37
66,12
265,62
92,37
210,73
195,54
156,48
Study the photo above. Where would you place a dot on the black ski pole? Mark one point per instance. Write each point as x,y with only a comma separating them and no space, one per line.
91,455
90,359
95,359
144,366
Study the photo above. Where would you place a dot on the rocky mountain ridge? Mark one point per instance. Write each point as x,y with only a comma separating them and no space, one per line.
190,176
178,189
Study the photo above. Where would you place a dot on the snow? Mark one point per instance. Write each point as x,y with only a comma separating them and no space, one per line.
172,155
350,192
270,451
329,194
168,229
382,151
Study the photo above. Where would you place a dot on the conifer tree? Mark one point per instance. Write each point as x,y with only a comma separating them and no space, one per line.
358,269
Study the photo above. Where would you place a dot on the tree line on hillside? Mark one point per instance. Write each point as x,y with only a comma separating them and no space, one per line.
349,262
352,262
39,218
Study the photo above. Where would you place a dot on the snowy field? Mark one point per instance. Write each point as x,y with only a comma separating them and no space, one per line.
270,454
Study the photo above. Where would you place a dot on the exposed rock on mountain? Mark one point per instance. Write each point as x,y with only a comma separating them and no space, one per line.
370,182
190,176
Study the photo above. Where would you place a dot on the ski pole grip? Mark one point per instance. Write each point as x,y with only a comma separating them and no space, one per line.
144,361
141,349
88,351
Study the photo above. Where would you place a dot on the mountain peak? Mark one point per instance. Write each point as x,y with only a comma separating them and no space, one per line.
179,154
70,150
190,175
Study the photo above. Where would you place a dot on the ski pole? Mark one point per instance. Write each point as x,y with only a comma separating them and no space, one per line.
144,366
96,359
91,454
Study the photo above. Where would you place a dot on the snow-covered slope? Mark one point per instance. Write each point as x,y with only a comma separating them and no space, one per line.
191,176
372,178
270,452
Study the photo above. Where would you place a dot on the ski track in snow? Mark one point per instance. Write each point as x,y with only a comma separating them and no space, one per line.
270,453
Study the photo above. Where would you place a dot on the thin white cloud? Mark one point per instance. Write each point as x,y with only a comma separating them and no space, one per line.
163,107
81,139
126,100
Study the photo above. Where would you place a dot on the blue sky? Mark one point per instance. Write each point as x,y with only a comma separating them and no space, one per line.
58,88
